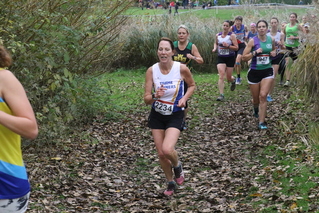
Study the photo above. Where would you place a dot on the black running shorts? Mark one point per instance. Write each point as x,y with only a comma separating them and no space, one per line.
277,59
255,76
292,54
241,48
159,121
229,61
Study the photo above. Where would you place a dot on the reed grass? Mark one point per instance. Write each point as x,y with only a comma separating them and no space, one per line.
306,69
314,134
139,37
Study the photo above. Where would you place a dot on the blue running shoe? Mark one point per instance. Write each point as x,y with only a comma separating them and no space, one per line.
269,99
238,81
262,126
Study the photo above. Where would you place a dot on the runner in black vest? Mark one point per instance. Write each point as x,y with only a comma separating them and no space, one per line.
186,52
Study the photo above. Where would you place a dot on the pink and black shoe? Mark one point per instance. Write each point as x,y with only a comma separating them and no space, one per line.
179,174
171,187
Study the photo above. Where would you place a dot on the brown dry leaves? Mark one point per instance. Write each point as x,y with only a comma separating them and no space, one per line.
119,171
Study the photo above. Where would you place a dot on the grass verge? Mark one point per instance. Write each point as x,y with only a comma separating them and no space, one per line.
219,13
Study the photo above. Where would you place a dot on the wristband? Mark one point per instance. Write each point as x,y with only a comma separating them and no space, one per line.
153,97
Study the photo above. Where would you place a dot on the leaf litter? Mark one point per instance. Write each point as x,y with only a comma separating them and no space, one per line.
221,152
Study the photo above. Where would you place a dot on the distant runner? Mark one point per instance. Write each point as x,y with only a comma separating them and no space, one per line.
240,31
226,45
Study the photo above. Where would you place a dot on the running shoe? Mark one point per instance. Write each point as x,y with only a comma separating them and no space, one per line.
263,125
233,85
269,99
171,187
287,84
238,81
179,174
185,126
220,98
281,83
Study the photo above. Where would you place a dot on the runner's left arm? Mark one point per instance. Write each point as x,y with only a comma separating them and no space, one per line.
196,55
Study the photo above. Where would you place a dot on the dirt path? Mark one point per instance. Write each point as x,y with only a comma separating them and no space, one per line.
120,171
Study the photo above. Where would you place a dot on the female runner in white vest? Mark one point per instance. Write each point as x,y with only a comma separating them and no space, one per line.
279,44
226,45
164,90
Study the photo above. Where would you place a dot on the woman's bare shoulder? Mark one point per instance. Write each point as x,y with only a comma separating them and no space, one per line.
6,75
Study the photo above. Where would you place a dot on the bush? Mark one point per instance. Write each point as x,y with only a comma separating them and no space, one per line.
56,46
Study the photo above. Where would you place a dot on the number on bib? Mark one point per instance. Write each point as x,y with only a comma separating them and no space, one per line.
290,41
223,51
165,108
263,59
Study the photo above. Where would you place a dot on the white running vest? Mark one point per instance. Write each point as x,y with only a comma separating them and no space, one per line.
174,84
277,39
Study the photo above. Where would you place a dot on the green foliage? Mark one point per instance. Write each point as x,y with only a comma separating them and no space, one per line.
57,45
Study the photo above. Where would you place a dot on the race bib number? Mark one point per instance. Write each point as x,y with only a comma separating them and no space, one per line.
223,51
165,108
263,59
290,41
